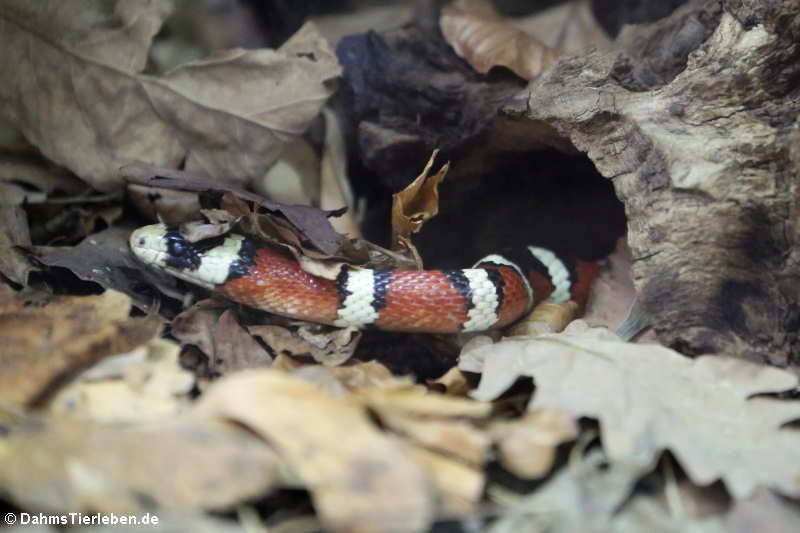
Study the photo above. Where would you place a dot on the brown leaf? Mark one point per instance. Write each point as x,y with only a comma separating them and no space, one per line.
105,258
359,479
332,347
46,337
452,383
648,398
167,205
485,40
35,171
526,446
65,465
459,486
228,115
453,438
417,203
147,383
216,332
546,318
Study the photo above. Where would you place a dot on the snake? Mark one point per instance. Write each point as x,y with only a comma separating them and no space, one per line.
494,293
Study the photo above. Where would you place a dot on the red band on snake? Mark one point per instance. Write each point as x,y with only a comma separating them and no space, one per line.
492,294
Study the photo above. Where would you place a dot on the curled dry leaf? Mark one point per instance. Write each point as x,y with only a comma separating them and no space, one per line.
228,115
147,383
417,203
45,337
359,478
648,398
65,465
479,35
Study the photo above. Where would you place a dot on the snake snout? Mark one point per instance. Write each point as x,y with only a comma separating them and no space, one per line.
148,243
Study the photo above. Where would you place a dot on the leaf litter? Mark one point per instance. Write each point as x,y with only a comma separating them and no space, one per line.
98,413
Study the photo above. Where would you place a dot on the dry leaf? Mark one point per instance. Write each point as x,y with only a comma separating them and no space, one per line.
417,203
546,318
764,511
34,171
459,486
166,205
485,40
228,115
582,497
145,384
453,438
526,446
452,383
329,347
336,191
294,178
14,232
215,331
46,337
64,465
359,478
106,259
648,398
358,376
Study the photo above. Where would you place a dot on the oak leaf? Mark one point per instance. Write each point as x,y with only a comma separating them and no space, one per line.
649,398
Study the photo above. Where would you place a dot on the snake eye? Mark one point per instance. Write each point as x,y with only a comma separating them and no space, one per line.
141,241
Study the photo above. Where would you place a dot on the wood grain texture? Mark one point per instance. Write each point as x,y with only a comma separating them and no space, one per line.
698,148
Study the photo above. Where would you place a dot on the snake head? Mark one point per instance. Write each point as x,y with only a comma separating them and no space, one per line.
163,247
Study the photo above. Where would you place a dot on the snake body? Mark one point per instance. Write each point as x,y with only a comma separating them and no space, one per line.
492,294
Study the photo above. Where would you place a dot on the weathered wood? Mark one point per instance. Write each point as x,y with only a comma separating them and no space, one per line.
693,118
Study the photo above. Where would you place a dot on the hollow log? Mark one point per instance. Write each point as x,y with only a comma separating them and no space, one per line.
694,119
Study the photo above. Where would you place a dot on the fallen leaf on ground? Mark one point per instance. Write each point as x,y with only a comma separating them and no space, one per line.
763,511
147,383
356,376
64,465
166,205
459,486
216,332
228,115
526,446
481,36
581,497
648,398
294,178
46,337
105,258
452,383
546,318
326,346
359,478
